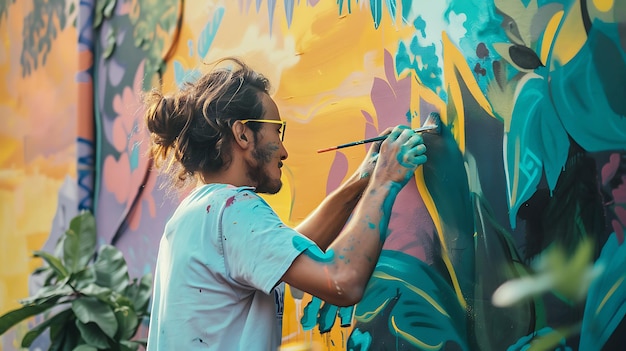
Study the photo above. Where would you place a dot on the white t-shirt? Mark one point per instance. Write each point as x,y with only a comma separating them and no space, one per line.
220,260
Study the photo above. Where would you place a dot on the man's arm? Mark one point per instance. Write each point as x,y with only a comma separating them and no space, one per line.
326,221
339,274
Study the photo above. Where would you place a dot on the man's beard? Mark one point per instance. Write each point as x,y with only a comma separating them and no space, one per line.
258,172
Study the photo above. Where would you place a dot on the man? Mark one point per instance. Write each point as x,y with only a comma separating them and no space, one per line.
224,250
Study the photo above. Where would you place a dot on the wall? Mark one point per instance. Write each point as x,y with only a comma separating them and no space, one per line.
527,178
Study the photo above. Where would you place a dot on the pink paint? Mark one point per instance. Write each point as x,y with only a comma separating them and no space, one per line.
230,201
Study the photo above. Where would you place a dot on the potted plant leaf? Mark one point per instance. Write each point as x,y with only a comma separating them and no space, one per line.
87,300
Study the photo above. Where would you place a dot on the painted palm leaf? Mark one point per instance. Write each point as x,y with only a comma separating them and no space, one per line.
408,306
606,300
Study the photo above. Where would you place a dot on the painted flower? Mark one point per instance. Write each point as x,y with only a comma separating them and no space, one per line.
124,176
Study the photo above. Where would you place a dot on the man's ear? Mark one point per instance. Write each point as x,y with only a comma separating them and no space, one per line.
241,134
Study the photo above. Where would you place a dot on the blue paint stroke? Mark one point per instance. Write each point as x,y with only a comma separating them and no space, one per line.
312,251
182,76
85,173
289,4
392,8
309,314
359,340
377,13
209,32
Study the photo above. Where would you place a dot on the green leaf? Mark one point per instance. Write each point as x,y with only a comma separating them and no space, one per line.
84,278
80,242
84,347
111,42
12,318
111,270
101,293
54,263
141,293
46,294
127,321
89,309
108,8
59,318
129,345
64,337
93,335
57,330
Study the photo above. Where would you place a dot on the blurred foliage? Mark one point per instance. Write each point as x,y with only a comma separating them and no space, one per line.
87,299
153,21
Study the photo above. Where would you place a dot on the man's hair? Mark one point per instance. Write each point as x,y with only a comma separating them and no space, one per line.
190,131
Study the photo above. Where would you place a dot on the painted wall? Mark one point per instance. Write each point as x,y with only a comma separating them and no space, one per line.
527,179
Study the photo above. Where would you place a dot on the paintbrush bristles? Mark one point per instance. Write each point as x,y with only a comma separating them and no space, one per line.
433,119
432,124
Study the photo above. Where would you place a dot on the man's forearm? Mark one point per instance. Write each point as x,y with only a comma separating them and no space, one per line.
328,219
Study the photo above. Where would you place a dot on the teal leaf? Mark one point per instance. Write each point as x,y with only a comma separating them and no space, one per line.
111,269
377,11
597,72
408,304
80,242
535,142
392,8
605,307
89,309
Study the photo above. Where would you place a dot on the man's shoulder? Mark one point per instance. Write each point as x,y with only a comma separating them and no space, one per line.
222,191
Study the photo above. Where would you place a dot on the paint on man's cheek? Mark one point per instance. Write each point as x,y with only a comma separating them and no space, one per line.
313,251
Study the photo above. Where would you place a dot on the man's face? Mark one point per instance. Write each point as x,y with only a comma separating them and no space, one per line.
268,152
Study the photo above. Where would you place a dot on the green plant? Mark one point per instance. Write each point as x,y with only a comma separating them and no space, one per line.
87,299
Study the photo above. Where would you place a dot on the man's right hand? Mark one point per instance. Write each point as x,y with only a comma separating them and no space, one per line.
400,155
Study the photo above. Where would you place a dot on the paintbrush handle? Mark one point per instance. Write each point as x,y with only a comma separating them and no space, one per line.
371,140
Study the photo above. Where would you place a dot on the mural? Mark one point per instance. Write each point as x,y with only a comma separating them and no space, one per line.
511,234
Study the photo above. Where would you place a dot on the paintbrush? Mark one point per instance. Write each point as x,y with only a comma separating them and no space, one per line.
431,125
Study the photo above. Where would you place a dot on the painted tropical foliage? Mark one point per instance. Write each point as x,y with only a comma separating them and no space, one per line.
511,236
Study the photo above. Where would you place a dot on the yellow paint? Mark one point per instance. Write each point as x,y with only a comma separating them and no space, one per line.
369,315
549,35
570,37
37,115
618,283
415,289
454,64
422,345
516,173
603,5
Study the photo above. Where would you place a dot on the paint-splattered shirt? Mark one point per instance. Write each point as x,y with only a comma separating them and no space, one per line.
220,260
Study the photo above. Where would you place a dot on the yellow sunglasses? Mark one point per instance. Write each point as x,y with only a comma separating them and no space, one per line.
273,121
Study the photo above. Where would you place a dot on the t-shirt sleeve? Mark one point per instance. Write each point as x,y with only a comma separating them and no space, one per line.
258,247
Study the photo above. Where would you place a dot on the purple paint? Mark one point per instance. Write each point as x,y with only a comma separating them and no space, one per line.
230,201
